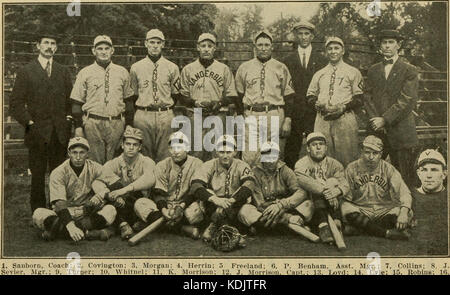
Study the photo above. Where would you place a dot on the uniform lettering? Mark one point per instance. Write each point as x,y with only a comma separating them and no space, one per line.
206,74
366,178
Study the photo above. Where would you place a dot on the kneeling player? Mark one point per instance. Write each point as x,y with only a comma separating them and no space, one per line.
277,196
133,177
230,181
379,202
324,178
79,209
171,192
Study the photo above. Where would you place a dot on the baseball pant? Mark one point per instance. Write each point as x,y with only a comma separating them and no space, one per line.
373,213
258,129
342,137
104,137
84,221
39,154
156,127
205,150
249,214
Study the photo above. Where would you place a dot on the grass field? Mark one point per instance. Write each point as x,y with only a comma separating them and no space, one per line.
21,240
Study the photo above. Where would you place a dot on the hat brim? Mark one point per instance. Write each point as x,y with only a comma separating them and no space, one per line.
430,161
303,27
105,42
78,145
372,146
206,39
316,138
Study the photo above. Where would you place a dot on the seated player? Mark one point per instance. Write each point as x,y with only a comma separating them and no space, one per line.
230,181
323,177
432,171
133,177
78,204
379,202
171,192
277,196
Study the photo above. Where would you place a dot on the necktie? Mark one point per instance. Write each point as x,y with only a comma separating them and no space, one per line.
304,60
107,86
388,61
48,69
263,77
332,80
154,84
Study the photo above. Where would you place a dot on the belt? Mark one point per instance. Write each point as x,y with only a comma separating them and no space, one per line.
154,109
262,108
93,116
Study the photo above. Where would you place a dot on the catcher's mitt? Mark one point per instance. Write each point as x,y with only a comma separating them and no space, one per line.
176,213
227,238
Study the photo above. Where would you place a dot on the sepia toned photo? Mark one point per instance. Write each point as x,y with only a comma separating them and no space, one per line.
225,138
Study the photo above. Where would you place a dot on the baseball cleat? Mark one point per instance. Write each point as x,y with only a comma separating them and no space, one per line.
191,231
207,234
138,226
252,231
126,231
325,234
51,233
395,234
99,234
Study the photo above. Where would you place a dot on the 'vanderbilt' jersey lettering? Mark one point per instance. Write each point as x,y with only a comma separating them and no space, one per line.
368,179
205,74
207,84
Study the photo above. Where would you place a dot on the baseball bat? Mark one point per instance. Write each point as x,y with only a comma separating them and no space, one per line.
337,235
304,232
136,238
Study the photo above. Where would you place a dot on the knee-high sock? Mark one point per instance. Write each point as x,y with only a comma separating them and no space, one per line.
363,222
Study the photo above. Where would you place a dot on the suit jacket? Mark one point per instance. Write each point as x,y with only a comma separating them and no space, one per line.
301,79
42,99
394,99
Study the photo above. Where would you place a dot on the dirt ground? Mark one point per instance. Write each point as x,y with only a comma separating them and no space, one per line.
21,240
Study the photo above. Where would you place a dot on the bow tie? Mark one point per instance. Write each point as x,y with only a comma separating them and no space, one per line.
388,61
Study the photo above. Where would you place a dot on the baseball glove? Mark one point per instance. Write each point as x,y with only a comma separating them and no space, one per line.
227,238
176,214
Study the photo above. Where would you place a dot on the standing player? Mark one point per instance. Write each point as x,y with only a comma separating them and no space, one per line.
323,177
40,102
277,196
264,87
134,175
100,93
302,64
336,91
171,192
207,84
156,82
78,205
392,89
223,185
379,202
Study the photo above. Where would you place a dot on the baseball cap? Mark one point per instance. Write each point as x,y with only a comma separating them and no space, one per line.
394,34
270,151
178,139
135,133
373,142
335,40
431,156
315,136
225,143
102,39
155,33
263,32
207,36
304,24
78,141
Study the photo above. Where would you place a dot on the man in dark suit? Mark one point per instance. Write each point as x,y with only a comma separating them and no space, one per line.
391,96
40,102
302,64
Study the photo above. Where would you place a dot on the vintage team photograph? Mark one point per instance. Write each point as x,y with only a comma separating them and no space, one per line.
225,129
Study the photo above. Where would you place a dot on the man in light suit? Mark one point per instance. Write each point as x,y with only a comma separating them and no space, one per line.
391,96
40,103
302,64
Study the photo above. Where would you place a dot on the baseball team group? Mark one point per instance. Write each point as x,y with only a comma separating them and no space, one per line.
117,166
